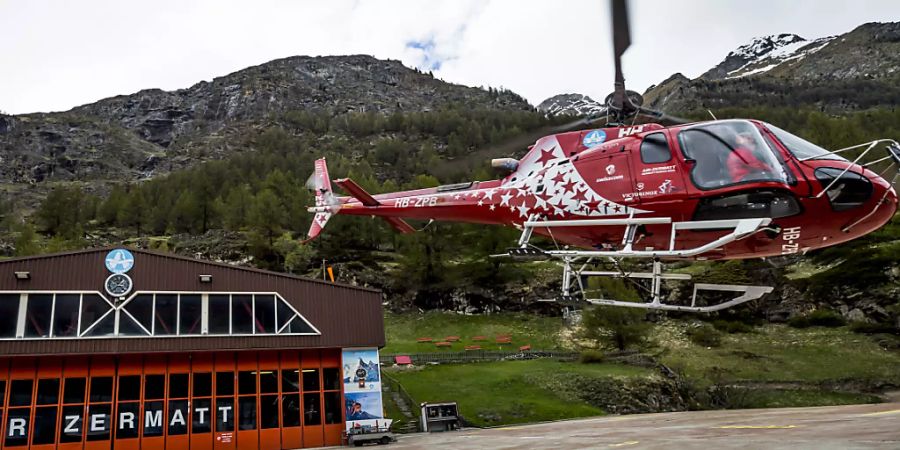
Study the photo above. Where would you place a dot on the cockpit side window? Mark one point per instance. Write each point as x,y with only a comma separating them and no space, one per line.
655,149
726,153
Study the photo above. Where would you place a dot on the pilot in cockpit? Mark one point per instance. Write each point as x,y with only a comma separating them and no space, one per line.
746,162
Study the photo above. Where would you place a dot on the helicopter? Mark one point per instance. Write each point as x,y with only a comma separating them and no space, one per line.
664,190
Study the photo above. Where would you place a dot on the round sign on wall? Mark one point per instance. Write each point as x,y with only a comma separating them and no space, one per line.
119,261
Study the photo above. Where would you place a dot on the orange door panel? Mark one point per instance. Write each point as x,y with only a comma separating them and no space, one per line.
74,398
18,419
178,406
201,402
153,404
98,423
269,402
311,400
291,432
129,381
248,401
46,412
224,380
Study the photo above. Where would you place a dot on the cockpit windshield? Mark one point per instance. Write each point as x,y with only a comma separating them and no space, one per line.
801,148
730,152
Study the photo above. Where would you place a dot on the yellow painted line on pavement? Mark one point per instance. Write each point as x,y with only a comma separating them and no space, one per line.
623,444
883,413
757,427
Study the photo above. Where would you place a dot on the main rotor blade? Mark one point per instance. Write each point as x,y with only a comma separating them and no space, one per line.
621,41
661,116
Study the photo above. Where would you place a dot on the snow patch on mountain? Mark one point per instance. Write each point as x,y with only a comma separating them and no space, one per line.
572,105
766,53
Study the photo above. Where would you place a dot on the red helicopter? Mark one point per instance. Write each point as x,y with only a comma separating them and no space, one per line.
717,190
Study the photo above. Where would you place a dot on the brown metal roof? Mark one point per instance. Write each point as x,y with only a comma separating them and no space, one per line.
346,316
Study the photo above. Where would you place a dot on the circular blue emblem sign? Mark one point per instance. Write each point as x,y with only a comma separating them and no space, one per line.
119,261
594,138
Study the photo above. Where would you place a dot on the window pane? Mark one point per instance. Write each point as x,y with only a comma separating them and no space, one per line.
71,425
312,415
333,407
17,435
48,391
189,320
290,409
101,389
268,381
284,313
20,392
73,390
165,315
224,383
129,416
331,378
44,425
241,314
178,385
37,315
141,308
128,327
106,327
298,325
154,387
247,411
98,422
202,416
9,315
92,308
265,314
218,314
268,411
225,414
246,382
178,417
153,418
310,379
65,316
202,385
130,387
290,380
2,391
655,149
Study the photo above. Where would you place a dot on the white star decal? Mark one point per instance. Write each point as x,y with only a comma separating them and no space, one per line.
480,203
504,199
493,207
523,210
489,194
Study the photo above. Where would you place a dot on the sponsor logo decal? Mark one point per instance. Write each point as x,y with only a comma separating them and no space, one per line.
594,138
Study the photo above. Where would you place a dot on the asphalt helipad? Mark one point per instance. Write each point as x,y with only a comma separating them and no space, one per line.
829,427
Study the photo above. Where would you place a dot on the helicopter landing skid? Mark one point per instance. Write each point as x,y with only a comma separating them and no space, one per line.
574,291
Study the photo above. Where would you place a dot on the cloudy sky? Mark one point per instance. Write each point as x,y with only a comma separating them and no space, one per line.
57,54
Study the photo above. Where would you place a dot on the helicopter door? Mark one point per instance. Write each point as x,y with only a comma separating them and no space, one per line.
611,179
658,176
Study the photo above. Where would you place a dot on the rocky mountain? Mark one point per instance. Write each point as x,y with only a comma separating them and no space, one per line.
151,132
571,105
853,71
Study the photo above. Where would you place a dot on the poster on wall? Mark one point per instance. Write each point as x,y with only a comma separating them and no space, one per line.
362,388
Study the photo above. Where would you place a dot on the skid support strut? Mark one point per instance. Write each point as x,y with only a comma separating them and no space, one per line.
576,263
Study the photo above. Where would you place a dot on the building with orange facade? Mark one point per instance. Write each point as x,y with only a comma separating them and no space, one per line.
131,349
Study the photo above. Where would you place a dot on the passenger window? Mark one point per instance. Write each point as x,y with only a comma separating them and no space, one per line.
655,149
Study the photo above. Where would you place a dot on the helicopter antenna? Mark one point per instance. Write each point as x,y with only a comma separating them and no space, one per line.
711,114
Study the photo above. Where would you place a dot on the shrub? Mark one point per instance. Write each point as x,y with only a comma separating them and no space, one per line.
705,335
591,356
731,326
621,327
819,318
873,328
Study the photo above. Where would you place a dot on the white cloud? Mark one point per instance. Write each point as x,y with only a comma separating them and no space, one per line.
58,54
